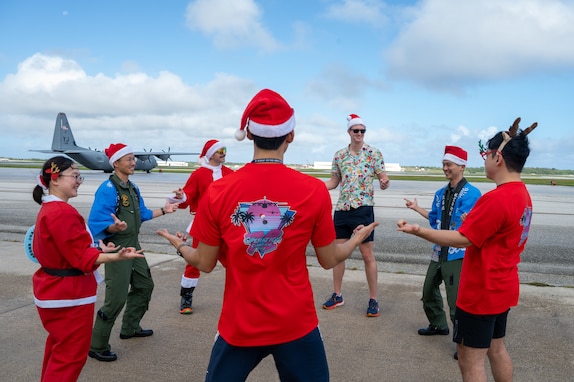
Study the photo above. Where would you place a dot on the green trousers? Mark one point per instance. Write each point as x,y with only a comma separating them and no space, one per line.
438,272
128,283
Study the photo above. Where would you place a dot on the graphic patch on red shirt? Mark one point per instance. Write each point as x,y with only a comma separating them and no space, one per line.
525,222
263,221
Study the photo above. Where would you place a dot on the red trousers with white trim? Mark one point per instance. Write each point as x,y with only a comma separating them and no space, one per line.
190,276
69,336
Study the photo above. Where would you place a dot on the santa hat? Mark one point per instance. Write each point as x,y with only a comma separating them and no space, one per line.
354,119
267,115
116,151
455,155
210,148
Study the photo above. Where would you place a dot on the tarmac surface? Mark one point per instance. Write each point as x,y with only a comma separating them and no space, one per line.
386,348
540,335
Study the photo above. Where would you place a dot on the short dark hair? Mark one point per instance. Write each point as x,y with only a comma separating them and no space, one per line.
268,143
515,152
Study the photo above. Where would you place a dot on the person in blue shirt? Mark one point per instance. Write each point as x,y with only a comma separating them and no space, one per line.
450,205
116,215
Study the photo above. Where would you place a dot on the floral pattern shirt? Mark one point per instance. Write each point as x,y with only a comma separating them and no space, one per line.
356,173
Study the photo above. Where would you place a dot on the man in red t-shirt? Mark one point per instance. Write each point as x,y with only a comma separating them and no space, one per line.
211,169
494,233
257,222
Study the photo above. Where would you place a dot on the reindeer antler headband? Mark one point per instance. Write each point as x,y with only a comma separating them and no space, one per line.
513,132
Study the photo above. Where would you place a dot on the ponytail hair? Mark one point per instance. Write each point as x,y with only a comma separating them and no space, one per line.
51,170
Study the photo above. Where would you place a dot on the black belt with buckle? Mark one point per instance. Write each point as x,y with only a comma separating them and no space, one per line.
63,272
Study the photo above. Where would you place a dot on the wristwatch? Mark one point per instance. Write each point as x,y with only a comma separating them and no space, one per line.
178,249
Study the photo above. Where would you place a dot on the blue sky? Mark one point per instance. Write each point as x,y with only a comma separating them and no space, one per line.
421,74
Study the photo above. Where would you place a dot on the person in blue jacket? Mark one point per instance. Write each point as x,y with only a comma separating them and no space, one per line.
449,208
116,215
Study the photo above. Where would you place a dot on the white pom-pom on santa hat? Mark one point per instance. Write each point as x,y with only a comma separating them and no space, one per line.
116,151
354,119
267,115
240,134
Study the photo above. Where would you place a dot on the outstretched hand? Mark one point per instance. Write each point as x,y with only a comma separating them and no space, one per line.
170,207
412,204
177,197
130,253
175,240
403,226
110,247
362,231
118,226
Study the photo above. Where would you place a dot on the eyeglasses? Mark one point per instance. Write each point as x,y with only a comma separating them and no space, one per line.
485,154
221,151
79,178
357,131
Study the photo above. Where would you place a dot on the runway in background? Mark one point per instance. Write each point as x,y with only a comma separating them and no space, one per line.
548,257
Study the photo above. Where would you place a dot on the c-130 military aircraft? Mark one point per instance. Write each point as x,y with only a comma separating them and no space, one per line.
63,142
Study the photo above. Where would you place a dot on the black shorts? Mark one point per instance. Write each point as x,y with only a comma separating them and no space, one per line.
347,221
477,331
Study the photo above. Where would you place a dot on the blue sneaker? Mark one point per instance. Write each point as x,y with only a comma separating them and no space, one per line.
373,309
333,302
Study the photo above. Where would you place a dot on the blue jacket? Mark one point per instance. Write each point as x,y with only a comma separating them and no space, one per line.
464,203
106,202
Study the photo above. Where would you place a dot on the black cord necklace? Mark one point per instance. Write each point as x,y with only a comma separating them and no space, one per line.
267,160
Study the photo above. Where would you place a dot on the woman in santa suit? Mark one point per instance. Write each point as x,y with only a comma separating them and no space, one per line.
65,285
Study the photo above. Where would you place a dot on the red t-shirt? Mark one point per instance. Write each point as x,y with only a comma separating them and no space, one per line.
498,228
263,217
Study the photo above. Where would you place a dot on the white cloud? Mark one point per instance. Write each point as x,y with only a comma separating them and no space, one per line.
138,108
358,11
450,44
461,131
55,83
43,73
485,134
231,23
164,111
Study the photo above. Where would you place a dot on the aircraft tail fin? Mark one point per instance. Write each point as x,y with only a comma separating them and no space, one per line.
63,138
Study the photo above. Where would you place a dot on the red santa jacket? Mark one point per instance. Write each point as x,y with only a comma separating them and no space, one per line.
62,241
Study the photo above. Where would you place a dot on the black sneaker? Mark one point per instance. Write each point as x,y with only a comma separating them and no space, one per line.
433,330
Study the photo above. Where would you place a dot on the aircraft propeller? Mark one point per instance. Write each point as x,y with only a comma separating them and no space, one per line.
167,155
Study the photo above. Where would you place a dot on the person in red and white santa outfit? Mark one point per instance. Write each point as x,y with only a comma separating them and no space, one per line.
66,283
211,161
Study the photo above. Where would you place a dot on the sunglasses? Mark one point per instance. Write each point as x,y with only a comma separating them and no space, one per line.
357,131
221,151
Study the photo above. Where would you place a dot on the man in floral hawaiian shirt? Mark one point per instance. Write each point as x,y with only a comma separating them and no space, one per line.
354,168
